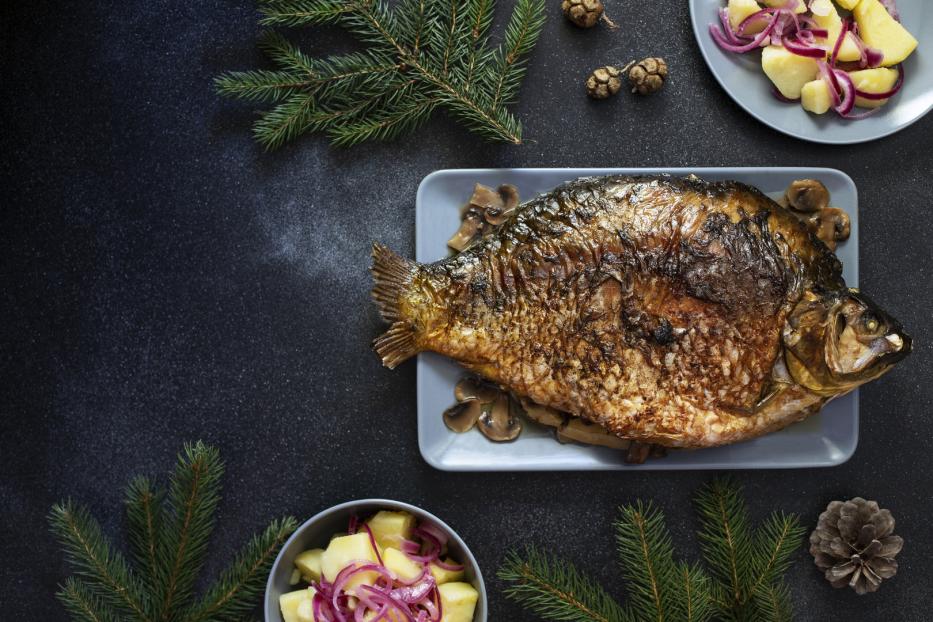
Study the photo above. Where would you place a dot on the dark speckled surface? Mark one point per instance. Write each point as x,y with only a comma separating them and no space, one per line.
163,279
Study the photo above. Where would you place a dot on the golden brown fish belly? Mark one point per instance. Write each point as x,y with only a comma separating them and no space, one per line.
652,306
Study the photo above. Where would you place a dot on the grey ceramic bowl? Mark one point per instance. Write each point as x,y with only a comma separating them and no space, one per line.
741,76
317,531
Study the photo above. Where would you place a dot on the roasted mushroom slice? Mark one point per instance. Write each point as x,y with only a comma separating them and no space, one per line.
497,422
470,230
831,225
473,388
497,214
639,452
462,417
583,431
807,195
542,414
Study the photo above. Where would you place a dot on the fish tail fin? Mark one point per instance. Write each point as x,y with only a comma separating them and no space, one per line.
392,275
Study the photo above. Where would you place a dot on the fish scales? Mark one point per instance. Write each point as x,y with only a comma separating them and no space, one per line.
653,306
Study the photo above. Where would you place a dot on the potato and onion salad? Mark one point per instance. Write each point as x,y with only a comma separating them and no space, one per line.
388,568
825,54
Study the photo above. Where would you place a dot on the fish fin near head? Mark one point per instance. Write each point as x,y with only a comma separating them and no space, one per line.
396,345
392,275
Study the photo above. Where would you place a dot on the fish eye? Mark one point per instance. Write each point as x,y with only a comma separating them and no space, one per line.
870,322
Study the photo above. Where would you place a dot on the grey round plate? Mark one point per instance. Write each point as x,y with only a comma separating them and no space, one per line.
741,76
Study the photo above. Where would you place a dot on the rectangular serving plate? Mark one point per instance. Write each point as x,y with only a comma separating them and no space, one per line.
826,439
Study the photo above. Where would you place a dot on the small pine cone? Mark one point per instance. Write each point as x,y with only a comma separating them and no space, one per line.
583,13
854,545
604,82
648,75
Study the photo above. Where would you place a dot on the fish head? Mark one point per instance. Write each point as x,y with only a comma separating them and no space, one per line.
834,342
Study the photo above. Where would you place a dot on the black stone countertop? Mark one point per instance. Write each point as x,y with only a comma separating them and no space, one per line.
164,280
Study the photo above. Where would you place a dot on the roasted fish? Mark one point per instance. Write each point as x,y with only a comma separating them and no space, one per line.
669,311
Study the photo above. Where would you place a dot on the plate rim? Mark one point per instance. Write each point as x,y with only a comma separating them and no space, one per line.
846,452
694,20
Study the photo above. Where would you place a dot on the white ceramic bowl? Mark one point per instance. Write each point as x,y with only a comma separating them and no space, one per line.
317,531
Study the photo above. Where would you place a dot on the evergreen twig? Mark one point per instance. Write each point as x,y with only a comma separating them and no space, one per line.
745,569
168,533
234,594
556,590
421,55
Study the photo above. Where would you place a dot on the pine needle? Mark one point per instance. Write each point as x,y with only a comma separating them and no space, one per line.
168,533
421,55
556,590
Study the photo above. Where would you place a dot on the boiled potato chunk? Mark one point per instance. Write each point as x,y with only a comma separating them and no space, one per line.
390,528
740,9
342,551
291,603
458,601
306,611
877,80
788,71
847,4
399,563
879,30
800,8
815,97
832,23
309,564
442,576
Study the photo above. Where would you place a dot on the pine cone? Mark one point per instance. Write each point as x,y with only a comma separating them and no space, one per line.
648,75
583,13
853,544
604,82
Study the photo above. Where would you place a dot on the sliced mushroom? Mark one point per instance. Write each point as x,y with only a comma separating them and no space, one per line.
472,388
831,225
497,214
638,453
498,423
807,195
470,229
583,431
485,198
542,414
463,416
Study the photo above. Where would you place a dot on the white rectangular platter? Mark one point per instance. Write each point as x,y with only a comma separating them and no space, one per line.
826,439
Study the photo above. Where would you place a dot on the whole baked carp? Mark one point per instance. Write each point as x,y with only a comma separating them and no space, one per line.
669,311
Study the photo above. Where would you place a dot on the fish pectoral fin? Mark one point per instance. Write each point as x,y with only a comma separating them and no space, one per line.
397,344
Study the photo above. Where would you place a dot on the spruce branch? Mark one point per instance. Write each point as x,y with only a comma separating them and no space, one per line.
439,48
725,537
745,584
556,590
233,595
83,604
143,512
105,571
168,533
194,491
659,588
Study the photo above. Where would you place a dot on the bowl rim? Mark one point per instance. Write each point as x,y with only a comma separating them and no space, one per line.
389,504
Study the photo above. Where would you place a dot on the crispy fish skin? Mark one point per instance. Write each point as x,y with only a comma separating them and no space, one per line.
653,306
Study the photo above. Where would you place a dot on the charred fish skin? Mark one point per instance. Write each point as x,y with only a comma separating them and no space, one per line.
654,306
